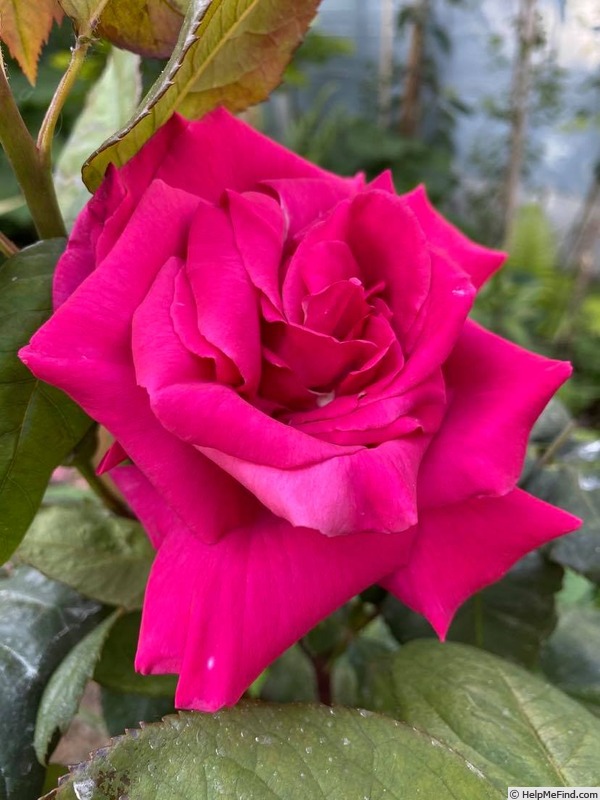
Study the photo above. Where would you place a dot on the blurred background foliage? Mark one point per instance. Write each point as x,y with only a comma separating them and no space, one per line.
465,97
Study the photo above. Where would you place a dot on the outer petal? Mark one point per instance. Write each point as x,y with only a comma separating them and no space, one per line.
220,614
477,261
158,518
496,392
220,152
85,350
104,217
460,549
91,233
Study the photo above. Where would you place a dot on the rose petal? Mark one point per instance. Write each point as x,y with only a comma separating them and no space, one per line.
440,321
220,614
159,356
259,231
383,182
89,235
158,518
390,248
306,200
114,456
319,360
315,266
369,419
85,350
496,392
225,298
234,156
211,415
477,261
462,548
336,310
371,490
184,317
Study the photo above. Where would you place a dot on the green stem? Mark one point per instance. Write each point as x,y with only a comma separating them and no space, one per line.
7,247
46,134
322,667
555,446
110,500
24,157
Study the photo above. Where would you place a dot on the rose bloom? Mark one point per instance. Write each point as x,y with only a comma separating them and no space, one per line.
300,406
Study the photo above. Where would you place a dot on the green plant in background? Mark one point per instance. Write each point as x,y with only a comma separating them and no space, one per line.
371,142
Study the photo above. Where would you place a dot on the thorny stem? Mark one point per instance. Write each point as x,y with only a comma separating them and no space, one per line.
34,177
7,247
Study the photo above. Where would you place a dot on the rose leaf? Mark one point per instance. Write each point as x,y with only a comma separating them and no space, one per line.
290,679
262,751
105,557
513,727
115,669
147,27
121,710
40,621
109,104
229,52
39,425
65,688
571,657
574,484
24,28
511,618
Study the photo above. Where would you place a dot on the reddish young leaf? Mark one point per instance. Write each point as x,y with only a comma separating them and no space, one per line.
147,27
24,27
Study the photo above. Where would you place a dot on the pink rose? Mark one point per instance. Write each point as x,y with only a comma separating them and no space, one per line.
285,357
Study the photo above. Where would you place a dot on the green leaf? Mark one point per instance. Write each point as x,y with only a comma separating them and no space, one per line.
109,104
65,688
39,425
122,710
40,622
513,727
351,670
115,669
291,678
103,556
229,52
293,752
147,27
511,618
570,486
571,657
